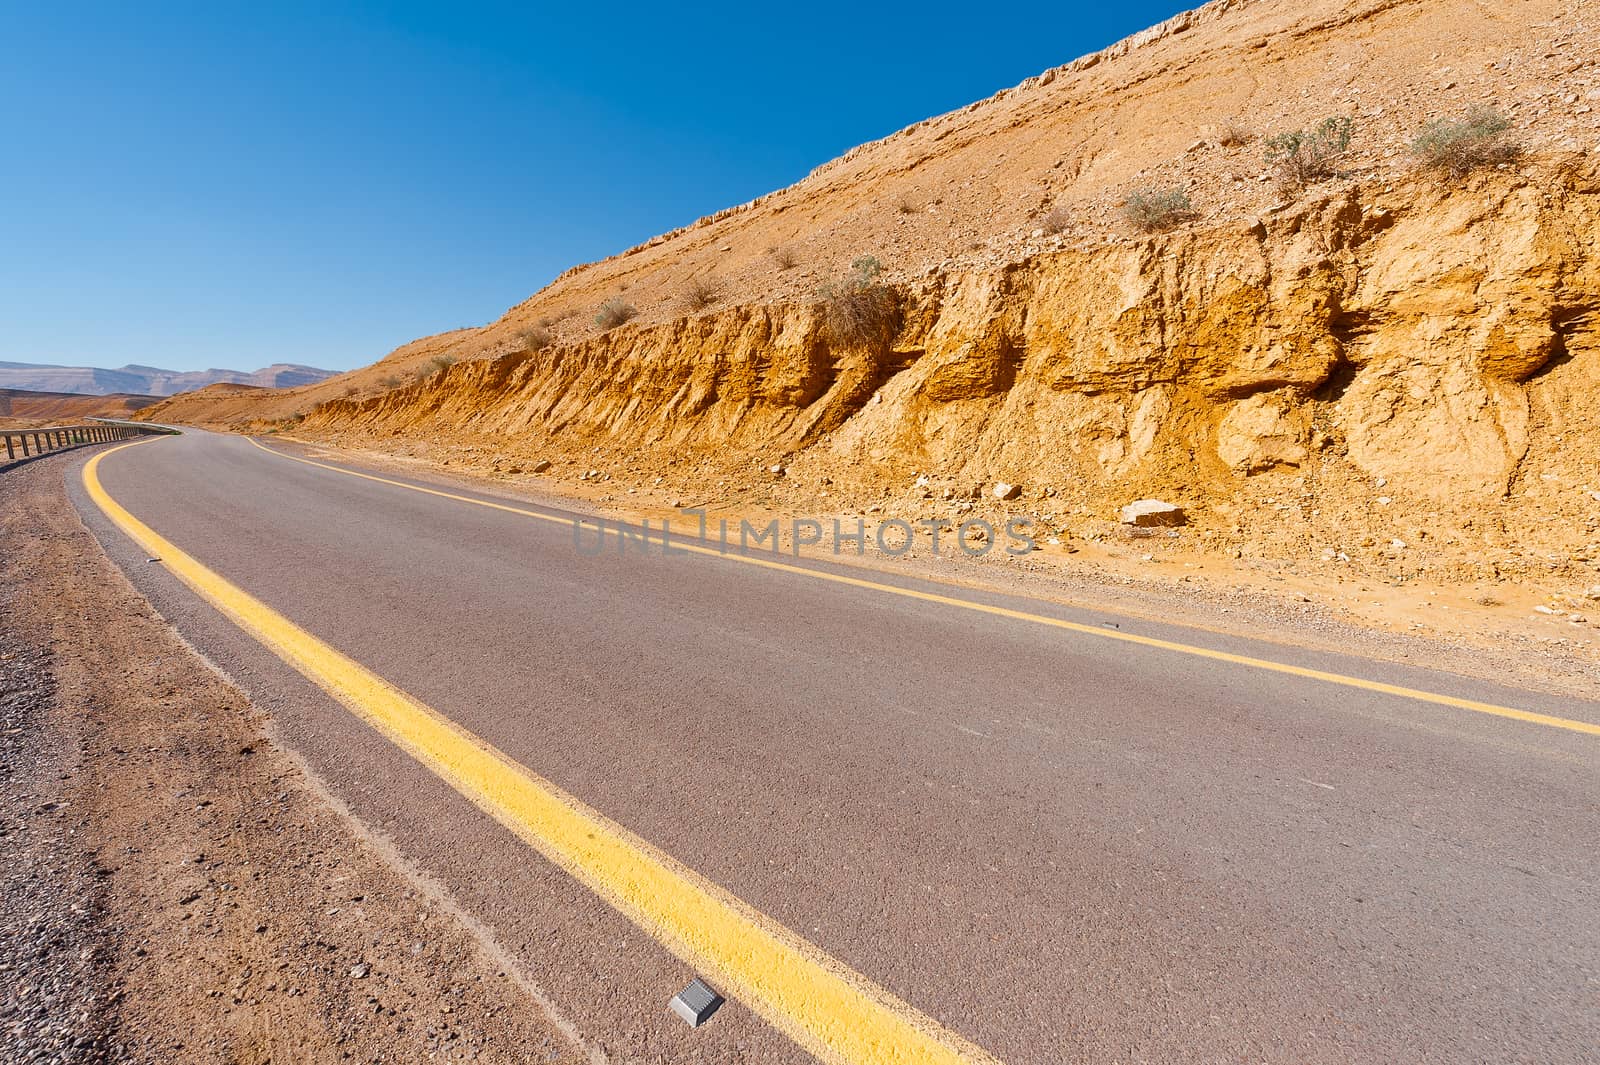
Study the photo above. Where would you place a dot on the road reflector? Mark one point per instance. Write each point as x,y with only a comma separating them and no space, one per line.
696,1003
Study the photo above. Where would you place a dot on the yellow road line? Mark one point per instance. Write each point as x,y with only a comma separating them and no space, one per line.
1020,615
833,1012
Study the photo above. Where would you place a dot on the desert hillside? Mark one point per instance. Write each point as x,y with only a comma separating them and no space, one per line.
19,409
1113,281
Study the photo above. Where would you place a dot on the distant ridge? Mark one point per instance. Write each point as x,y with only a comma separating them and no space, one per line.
148,380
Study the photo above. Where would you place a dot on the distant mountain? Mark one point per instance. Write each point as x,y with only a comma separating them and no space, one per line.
148,380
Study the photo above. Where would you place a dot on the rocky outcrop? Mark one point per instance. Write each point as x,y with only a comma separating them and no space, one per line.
1406,331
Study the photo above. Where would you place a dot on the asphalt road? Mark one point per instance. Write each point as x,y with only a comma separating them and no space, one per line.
1060,846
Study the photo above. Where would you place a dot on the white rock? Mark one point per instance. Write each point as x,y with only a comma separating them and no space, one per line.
1398,545
1149,512
1547,611
1002,490
1384,501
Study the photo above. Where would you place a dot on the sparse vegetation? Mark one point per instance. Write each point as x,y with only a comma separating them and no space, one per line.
1304,157
1234,134
784,257
436,365
1459,146
392,381
905,205
536,337
1056,221
1155,210
860,311
701,293
613,312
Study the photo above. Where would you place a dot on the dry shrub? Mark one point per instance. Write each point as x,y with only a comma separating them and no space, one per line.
1305,157
1234,134
1459,146
784,257
536,337
858,312
701,293
1155,210
613,312
1057,221
437,365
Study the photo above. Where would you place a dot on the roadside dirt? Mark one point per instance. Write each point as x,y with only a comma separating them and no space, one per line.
176,888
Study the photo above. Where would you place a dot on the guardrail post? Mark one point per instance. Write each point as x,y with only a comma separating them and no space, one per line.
11,452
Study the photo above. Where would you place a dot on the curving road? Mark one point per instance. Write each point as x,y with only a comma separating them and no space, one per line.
1056,843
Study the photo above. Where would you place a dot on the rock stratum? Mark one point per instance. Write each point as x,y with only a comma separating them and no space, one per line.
1394,365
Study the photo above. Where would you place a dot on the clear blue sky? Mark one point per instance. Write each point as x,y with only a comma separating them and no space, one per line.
192,185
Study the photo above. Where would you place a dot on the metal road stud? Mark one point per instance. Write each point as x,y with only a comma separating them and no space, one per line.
696,1003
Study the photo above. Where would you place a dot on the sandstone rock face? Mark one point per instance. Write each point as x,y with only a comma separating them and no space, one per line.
1420,348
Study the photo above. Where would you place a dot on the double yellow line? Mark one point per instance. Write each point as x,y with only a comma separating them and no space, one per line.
835,1013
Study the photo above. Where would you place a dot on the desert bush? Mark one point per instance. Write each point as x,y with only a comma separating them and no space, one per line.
1460,146
613,312
436,365
1305,157
784,257
859,311
536,337
1233,134
392,381
905,206
701,293
1057,221
1155,210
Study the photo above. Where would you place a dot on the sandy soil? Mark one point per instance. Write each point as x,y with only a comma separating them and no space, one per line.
174,887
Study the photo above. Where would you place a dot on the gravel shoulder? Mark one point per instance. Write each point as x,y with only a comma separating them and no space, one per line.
175,887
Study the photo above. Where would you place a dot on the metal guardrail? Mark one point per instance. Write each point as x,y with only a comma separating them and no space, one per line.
25,443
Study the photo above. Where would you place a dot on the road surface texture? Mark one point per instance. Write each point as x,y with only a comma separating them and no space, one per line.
1059,845
173,888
